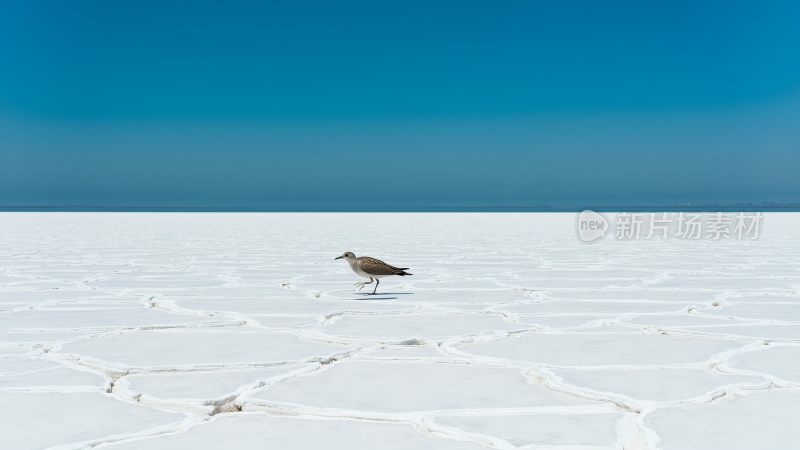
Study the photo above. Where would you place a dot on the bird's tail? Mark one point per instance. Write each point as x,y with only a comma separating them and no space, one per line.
403,272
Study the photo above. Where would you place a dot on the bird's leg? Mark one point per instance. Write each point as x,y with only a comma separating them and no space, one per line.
377,282
361,284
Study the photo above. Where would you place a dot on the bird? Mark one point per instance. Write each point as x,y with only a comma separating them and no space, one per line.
371,268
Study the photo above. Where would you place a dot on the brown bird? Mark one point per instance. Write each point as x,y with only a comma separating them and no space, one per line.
371,268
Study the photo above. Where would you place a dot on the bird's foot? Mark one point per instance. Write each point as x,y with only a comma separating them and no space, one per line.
360,285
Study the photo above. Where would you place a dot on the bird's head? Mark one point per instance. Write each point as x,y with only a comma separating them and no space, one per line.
347,255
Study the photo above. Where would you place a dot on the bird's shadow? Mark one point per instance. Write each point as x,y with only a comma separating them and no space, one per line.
366,296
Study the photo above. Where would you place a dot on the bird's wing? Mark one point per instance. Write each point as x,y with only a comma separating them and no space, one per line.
374,266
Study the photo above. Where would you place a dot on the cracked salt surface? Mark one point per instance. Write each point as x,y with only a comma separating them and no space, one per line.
780,312
35,420
53,379
594,349
211,348
425,326
756,420
655,385
595,307
201,331
86,317
201,384
257,432
595,430
780,362
411,386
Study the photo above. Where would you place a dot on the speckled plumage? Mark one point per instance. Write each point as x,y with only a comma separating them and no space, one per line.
373,266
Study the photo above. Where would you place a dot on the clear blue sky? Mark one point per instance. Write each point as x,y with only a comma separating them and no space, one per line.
384,105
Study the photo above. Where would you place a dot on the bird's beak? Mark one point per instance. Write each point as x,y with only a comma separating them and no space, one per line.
338,257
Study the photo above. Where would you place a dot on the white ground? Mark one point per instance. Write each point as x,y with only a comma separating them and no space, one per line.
209,331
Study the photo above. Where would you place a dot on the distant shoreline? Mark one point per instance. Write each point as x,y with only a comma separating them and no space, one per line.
409,209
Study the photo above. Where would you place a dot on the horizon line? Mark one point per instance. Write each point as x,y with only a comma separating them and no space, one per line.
707,207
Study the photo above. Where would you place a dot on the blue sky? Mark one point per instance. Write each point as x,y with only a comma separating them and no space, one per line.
399,105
